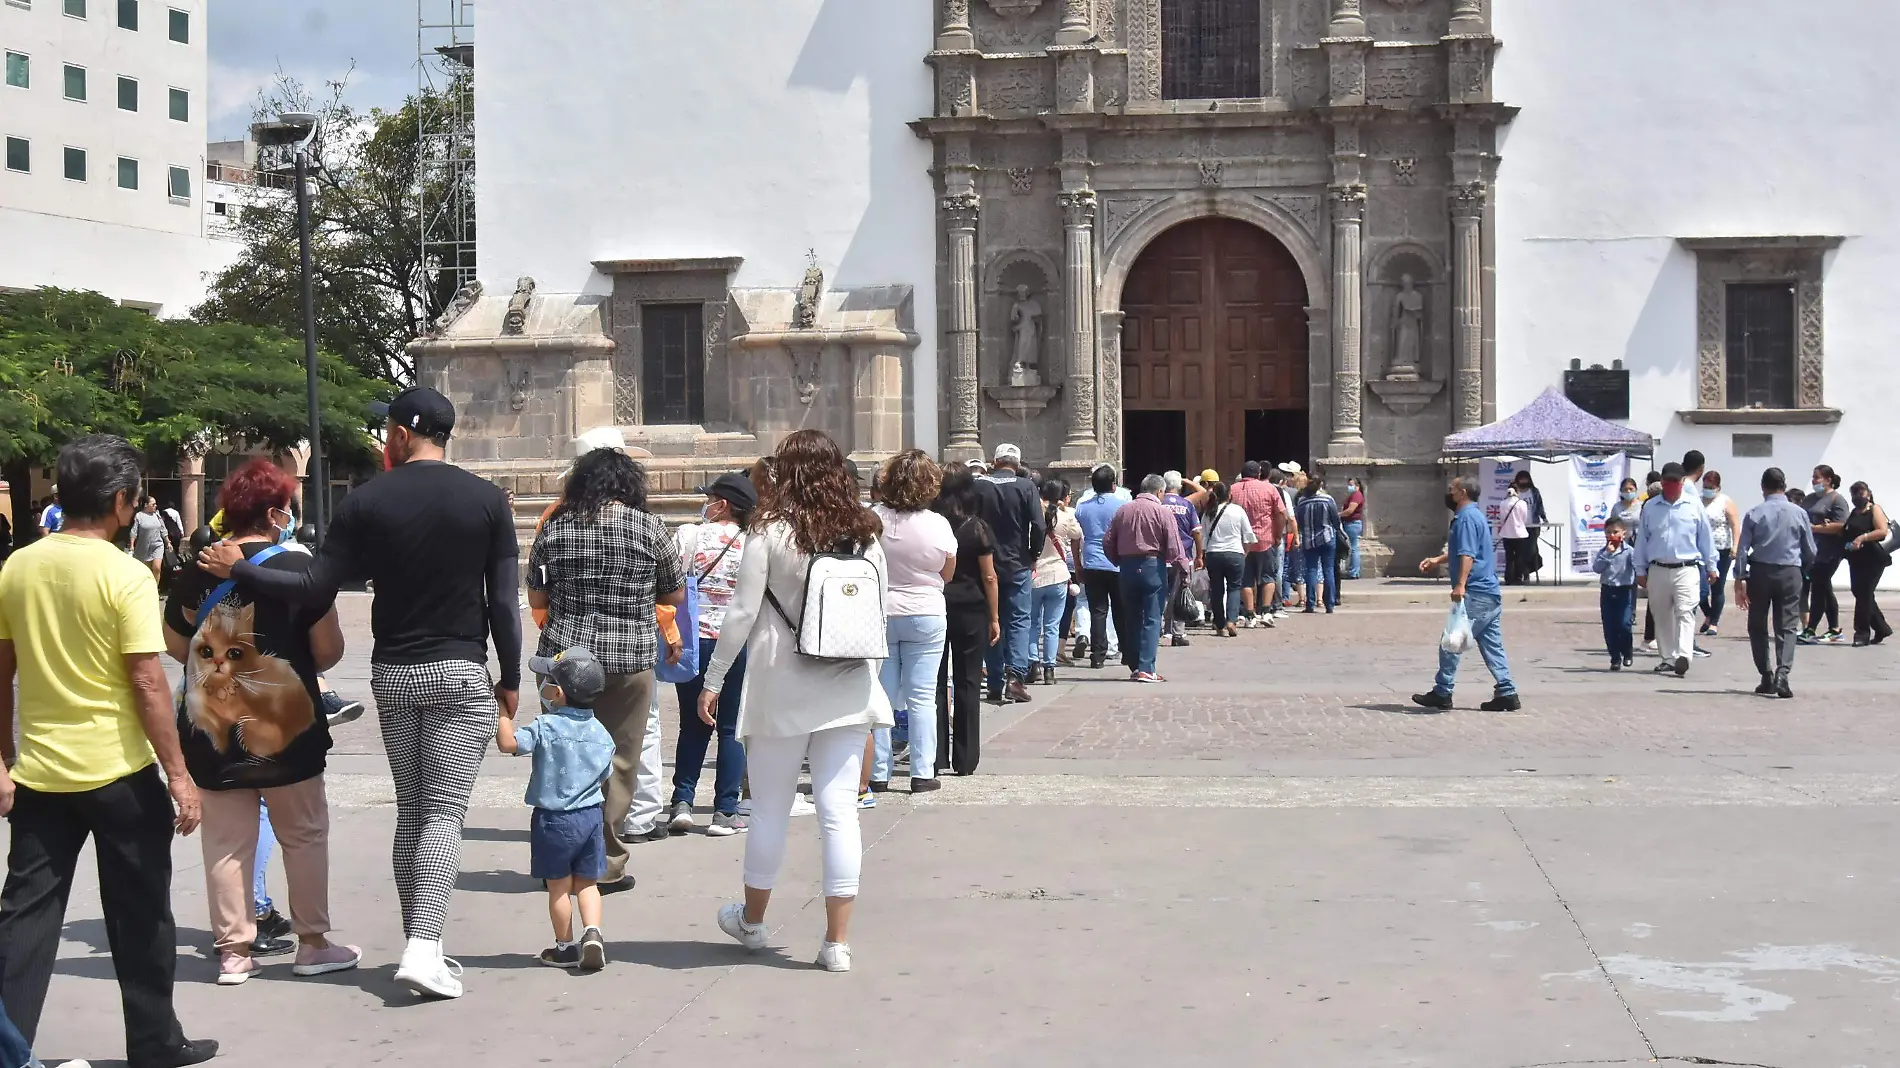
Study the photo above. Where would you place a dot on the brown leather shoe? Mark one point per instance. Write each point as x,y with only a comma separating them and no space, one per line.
1017,691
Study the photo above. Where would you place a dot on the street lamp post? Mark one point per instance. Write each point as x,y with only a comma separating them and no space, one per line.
299,129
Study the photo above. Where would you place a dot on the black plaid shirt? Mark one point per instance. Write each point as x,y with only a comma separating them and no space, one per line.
601,579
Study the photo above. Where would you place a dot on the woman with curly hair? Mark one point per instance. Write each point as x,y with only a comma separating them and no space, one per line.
601,565
922,551
797,708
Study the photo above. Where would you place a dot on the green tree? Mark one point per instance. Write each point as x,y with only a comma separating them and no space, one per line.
76,363
374,291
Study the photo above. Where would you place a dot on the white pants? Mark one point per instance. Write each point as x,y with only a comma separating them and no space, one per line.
837,758
647,800
1674,594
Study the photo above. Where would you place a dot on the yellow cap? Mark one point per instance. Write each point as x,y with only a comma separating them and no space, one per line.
1210,475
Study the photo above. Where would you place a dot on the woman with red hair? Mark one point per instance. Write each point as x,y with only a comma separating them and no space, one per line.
252,726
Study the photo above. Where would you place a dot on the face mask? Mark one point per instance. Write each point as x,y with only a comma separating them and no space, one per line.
705,512
1709,494
1862,501
1628,495
1672,491
547,705
1451,502
285,533
1818,488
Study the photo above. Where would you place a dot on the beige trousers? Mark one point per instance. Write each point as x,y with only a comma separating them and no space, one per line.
300,817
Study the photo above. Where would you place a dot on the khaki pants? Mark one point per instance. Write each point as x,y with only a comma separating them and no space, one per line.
300,817
622,708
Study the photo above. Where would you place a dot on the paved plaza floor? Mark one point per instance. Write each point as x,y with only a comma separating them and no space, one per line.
1272,860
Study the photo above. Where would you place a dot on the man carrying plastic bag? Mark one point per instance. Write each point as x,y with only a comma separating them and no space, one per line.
1477,614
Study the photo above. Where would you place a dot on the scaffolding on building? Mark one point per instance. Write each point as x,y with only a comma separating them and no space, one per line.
445,126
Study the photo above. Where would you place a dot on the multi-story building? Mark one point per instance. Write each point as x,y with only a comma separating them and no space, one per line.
102,109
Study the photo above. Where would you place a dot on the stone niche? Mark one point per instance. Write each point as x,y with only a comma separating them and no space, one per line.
522,389
848,371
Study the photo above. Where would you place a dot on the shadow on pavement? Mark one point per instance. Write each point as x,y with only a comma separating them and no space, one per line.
497,882
685,956
494,834
1401,710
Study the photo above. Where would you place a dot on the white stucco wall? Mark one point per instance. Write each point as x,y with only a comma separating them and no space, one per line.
1645,122
620,129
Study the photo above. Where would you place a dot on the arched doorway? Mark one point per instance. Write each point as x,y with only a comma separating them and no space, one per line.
1214,351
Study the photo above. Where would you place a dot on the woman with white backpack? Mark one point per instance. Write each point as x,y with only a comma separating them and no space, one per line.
808,610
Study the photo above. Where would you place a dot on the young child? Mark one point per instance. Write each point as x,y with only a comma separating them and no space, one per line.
1616,562
572,754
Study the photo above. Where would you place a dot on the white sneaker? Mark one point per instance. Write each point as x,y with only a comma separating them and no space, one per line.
1267,622
802,806
430,974
835,957
745,806
749,935
1650,646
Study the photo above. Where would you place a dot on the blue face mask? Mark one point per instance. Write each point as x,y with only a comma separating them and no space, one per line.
1628,495
286,534
1818,488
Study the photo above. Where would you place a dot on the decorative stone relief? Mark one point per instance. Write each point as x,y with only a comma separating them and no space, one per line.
1022,179
1402,77
465,299
956,14
518,376
1017,87
1012,9
1105,20
1111,81
516,319
1405,170
954,90
1144,50
1118,212
1211,171
1308,77
1303,207
1075,83
805,367
1722,261
1348,81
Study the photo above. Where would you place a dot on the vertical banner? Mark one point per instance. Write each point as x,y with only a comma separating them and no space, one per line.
1593,497
1495,478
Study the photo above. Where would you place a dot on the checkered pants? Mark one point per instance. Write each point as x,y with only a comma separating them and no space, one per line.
438,720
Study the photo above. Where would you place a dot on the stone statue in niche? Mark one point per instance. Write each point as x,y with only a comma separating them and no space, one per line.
1408,331
810,292
1025,336
515,321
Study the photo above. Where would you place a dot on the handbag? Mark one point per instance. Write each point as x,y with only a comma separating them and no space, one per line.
842,615
686,616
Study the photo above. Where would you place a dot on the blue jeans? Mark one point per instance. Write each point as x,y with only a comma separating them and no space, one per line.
1295,572
1619,621
1145,585
266,841
1013,591
689,749
15,1051
914,648
1047,605
1322,576
1355,529
1487,624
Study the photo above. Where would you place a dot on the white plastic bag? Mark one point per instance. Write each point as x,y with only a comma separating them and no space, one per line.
1458,638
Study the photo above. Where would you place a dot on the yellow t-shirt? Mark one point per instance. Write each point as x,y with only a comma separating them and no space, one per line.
73,607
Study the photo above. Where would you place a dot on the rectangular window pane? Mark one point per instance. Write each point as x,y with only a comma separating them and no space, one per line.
128,14
76,164
672,364
1761,345
128,94
180,26
19,70
76,8
180,188
75,82
1210,48
128,173
19,154
181,105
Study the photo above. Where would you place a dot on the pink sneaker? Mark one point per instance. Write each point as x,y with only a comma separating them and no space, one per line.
331,958
234,968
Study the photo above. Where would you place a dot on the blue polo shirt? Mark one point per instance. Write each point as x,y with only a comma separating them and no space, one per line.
1471,536
1094,515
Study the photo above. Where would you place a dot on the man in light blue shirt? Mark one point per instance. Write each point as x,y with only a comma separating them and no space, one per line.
1674,551
1101,579
1472,560
1774,551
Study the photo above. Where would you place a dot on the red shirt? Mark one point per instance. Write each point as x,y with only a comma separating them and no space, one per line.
1144,527
1265,509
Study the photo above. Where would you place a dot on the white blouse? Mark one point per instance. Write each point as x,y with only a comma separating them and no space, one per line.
788,694
1719,530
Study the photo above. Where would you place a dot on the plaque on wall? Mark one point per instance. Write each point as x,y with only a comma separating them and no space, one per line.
1602,391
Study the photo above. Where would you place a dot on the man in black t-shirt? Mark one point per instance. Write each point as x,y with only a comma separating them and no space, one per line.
1014,512
439,545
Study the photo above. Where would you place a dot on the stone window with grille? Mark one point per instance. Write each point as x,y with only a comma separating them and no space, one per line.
1210,49
1760,344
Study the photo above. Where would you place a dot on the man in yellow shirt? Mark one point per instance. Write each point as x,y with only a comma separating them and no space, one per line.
80,628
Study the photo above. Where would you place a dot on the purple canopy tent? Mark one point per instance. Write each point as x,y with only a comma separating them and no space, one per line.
1549,428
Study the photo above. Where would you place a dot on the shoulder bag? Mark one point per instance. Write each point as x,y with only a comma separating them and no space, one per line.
686,617
842,617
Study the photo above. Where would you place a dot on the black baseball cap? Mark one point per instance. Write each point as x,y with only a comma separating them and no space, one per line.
734,488
575,671
419,410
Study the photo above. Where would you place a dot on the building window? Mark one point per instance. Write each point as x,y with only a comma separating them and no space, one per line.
220,208
128,173
181,105
180,26
75,82
75,164
76,8
1210,48
128,94
672,364
19,70
179,185
128,14
1759,339
19,154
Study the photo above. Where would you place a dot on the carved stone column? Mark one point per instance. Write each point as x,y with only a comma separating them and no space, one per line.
1468,16
1349,205
965,441
1078,276
1348,21
1109,409
956,34
191,483
1075,22
1467,304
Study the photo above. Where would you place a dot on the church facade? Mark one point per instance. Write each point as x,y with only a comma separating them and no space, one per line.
1165,234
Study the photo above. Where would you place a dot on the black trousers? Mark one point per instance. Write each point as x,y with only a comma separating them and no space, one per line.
960,708
1863,574
1821,600
1105,596
1224,574
1517,560
1774,592
130,824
